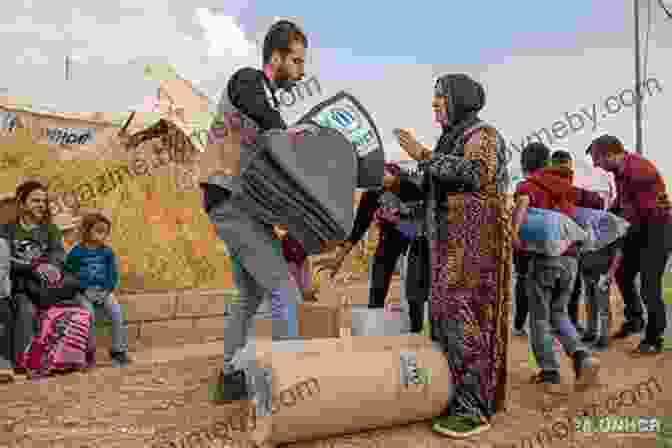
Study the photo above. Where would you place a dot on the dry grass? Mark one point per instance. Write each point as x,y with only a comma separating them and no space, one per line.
160,234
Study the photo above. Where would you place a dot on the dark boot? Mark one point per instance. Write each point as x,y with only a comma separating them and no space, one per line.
601,344
652,346
586,369
229,387
630,328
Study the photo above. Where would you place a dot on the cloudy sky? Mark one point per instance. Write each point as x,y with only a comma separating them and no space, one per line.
537,62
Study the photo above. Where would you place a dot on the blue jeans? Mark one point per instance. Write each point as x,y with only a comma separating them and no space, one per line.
97,300
549,285
258,271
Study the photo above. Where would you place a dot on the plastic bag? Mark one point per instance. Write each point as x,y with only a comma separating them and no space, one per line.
603,225
549,232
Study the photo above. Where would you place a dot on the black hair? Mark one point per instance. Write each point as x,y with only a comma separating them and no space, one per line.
280,38
534,156
606,143
561,156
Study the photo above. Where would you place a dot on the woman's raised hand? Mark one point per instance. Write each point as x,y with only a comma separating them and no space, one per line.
410,145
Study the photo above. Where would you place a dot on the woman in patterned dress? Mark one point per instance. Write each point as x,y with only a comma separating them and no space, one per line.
469,227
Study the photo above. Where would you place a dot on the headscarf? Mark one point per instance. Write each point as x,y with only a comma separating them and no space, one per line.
465,98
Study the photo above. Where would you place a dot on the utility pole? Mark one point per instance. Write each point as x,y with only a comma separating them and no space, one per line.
638,83
67,68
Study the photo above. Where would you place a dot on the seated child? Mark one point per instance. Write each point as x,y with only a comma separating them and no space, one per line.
95,265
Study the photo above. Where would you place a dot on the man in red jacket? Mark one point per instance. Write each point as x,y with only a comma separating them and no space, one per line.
550,280
642,200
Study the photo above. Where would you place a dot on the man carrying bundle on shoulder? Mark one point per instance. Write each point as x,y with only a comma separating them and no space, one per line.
248,108
550,280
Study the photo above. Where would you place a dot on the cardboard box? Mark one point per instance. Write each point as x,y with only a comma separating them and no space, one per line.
323,320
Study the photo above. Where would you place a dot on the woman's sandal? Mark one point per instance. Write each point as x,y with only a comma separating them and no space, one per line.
460,427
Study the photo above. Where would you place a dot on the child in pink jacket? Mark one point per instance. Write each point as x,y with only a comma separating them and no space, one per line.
299,264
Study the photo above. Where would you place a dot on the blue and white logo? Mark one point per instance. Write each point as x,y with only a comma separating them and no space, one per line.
344,119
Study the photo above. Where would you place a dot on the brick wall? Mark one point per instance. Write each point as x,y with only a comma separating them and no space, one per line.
170,318
162,319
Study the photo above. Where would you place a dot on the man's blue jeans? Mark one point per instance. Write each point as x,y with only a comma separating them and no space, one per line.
258,271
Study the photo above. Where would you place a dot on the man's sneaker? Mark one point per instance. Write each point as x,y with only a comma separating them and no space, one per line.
549,380
546,377
519,332
601,344
586,369
120,359
229,387
651,347
630,328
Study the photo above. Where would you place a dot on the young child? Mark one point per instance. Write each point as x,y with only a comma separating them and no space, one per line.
299,265
550,279
95,265
598,270
564,159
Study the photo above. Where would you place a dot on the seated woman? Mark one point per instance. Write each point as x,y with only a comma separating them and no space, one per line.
43,292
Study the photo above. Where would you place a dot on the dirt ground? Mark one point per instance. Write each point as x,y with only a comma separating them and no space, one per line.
163,396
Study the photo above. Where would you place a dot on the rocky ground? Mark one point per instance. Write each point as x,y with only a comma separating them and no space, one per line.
163,396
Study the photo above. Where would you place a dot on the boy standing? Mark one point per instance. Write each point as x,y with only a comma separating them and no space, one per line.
550,280
598,269
562,158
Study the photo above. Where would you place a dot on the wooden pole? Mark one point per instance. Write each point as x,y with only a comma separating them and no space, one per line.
638,83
